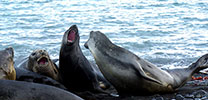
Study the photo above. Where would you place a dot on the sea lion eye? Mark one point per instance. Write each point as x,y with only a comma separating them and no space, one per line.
33,54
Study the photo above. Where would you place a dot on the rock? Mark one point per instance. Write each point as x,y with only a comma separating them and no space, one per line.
197,99
189,96
179,97
200,94
204,98
158,98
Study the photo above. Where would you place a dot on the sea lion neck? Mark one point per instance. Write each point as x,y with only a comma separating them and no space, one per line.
70,51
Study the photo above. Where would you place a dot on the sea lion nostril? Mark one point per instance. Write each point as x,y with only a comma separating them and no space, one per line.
43,53
86,46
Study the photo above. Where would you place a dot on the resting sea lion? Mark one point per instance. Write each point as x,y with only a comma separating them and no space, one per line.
17,90
130,74
29,76
39,61
7,70
75,69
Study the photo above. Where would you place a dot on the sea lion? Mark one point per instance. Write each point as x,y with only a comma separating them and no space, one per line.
29,76
7,70
75,69
130,74
17,90
39,61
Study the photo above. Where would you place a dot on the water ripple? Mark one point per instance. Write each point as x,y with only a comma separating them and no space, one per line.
165,32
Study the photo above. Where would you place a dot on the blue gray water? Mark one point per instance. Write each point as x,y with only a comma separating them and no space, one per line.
168,33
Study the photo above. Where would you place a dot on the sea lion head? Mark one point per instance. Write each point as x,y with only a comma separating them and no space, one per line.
7,70
71,36
40,62
97,40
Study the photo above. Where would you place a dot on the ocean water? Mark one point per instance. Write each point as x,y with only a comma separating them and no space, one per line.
168,33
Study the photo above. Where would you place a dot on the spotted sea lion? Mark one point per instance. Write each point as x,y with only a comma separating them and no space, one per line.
130,74
17,90
75,70
7,70
39,61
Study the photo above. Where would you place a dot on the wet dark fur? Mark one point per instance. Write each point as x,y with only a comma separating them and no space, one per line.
75,69
28,76
16,90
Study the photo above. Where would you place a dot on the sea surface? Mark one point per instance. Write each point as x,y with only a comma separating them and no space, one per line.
168,33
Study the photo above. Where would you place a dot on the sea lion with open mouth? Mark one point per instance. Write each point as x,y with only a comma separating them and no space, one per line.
39,61
75,70
130,74
7,70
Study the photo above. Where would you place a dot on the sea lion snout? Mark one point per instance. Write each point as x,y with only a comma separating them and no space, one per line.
86,45
10,50
73,27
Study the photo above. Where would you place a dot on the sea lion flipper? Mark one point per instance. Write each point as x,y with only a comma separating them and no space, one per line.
142,73
200,64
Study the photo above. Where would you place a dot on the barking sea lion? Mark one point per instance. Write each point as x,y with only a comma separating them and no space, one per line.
75,70
39,61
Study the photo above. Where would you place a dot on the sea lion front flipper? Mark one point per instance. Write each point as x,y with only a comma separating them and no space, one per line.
141,72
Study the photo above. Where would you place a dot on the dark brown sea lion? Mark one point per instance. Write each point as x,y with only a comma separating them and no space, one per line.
39,61
75,70
7,70
130,74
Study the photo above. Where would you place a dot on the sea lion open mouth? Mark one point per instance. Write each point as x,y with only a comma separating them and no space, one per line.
71,36
42,61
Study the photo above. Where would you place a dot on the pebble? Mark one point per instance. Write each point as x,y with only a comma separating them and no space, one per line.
200,94
158,98
189,96
179,97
